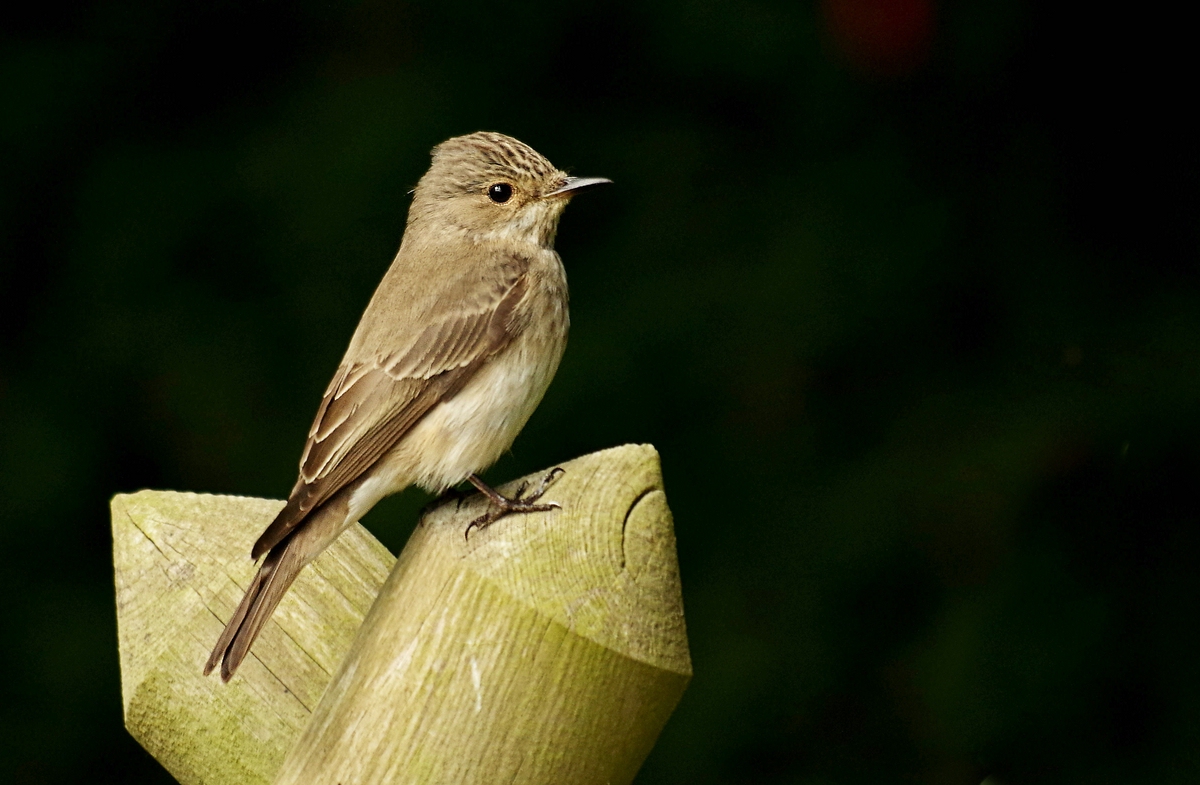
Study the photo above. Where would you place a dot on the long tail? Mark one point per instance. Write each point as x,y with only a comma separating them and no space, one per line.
281,566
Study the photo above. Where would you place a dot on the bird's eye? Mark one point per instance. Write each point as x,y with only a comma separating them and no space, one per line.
500,192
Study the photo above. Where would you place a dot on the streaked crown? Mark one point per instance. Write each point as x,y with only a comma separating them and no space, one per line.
469,164
485,186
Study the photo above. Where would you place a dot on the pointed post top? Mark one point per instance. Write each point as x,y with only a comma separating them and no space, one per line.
604,566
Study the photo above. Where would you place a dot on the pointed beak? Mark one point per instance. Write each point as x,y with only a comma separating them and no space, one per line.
574,185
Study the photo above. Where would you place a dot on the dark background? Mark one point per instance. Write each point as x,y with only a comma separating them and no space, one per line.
905,293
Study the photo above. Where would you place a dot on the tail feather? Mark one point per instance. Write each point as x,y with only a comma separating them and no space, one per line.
279,569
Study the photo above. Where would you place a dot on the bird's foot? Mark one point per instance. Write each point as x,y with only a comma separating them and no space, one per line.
502,505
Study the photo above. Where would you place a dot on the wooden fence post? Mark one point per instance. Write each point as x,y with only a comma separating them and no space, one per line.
549,648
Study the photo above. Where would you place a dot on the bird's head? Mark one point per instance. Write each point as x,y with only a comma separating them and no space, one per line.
488,186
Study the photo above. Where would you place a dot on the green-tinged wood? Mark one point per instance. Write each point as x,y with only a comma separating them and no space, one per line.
182,562
549,648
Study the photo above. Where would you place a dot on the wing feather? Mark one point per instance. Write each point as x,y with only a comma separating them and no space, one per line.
370,405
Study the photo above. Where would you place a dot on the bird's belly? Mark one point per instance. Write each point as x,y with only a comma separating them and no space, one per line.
470,431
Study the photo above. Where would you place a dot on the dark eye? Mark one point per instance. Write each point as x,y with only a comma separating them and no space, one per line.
500,192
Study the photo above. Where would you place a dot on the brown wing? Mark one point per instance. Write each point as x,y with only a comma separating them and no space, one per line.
371,405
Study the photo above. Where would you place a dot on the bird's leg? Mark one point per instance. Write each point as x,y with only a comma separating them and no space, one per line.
504,506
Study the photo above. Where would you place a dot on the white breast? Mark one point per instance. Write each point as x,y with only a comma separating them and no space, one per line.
470,431
473,429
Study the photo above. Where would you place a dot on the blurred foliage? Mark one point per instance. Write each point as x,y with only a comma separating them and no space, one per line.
906,294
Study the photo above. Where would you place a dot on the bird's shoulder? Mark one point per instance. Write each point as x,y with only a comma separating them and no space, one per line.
425,288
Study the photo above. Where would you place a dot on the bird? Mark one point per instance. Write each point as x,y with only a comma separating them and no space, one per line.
454,352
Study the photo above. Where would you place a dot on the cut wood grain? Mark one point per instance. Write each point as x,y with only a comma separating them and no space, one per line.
181,563
548,648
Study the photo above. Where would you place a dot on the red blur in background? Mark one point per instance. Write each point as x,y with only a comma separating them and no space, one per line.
886,38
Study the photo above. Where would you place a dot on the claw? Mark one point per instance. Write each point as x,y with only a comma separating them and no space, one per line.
448,495
505,506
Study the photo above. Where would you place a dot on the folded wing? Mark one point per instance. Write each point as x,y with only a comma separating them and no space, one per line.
373,402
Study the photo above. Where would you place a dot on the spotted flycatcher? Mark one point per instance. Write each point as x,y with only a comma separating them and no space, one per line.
451,357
